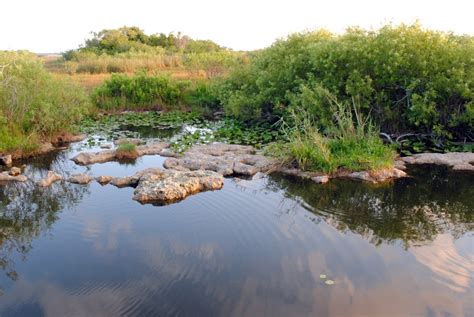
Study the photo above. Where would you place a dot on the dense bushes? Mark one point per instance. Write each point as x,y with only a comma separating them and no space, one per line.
407,78
144,92
34,105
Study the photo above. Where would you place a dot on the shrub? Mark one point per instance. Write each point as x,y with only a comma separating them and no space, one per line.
407,78
33,104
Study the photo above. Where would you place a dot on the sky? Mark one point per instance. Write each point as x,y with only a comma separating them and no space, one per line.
49,26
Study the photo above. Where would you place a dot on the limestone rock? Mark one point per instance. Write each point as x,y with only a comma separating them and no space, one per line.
14,171
172,186
5,177
103,180
377,176
87,158
80,179
129,140
50,178
134,179
225,159
457,160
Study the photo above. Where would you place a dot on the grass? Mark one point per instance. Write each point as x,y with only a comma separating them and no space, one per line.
352,144
126,151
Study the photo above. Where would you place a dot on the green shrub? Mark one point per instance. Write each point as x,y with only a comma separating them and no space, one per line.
33,104
126,151
407,78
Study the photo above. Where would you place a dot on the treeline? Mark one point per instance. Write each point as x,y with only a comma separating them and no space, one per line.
133,39
129,49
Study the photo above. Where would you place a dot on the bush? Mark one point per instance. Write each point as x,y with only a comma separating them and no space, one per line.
33,104
150,92
407,78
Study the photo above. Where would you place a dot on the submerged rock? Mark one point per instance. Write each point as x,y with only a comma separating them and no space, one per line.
80,179
50,178
225,159
456,160
170,186
6,160
106,146
87,158
103,180
129,140
377,176
5,177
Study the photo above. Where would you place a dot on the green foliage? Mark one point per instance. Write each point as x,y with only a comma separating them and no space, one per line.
34,105
152,92
350,144
407,78
127,147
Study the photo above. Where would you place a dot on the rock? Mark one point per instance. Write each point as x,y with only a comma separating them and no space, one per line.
225,159
168,153
377,176
259,175
14,171
170,186
103,180
5,177
106,146
87,158
129,140
50,178
68,138
457,160
6,160
134,179
314,176
320,179
80,179
400,164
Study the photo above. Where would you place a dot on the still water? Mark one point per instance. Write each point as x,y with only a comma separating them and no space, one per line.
266,247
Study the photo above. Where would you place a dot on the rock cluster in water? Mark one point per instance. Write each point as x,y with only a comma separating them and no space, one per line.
154,185
225,159
88,158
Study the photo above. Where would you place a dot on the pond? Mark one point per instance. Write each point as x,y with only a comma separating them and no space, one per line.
275,246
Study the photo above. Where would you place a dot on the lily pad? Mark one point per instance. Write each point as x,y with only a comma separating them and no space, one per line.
329,282
323,276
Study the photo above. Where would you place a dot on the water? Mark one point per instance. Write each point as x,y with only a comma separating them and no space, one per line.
254,248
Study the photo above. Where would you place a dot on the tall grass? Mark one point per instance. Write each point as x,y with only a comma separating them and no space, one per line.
33,104
352,142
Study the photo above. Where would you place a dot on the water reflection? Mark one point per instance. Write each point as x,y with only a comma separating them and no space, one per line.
413,210
255,248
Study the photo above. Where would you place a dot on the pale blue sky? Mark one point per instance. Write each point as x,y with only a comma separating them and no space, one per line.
55,25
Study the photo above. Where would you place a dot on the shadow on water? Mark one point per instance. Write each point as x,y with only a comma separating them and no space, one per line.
413,210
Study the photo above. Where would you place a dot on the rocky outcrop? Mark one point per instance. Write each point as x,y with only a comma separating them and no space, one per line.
68,138
80,179
171,186
103,180
6,160
456,160
5,177
316,177
154,185
225,159
129,140
376,176
50,178
87,158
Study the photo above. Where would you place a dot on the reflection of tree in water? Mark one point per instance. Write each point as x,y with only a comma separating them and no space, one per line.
27,210
413,210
